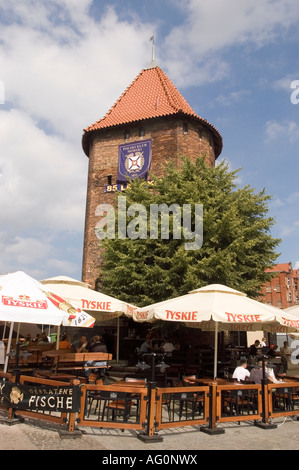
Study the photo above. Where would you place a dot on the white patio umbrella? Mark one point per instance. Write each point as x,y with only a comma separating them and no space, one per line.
294,311
102,307
25,300
216,307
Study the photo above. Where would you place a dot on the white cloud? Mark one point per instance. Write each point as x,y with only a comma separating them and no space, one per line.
62,70
27,250
25,254
43,177
231,98
69,75
288,130
285,82
213,27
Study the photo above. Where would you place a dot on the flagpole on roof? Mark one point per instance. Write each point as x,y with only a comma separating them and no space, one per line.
153,47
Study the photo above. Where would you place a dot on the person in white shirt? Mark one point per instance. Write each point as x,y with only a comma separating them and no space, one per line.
263,343
167,346
241,372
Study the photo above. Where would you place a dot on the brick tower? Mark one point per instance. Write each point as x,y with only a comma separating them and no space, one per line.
150,116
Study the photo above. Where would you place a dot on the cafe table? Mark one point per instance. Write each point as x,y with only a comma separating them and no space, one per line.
210,381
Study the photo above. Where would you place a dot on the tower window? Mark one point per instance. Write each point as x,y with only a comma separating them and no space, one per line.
109,179
185,128
127,134
199,134
141,132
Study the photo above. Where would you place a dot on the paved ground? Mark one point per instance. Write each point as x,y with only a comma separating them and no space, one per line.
32,435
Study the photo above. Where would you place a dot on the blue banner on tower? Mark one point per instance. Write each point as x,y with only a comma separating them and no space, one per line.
134,160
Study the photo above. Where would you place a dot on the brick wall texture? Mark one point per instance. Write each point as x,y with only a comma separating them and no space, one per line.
172,137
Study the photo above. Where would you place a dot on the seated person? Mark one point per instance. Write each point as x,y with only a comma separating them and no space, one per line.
256,374
263,343
146,346
64,342
81,345
241,372
271,376
42,339
167,346
27,341
97,346
272,351
253,348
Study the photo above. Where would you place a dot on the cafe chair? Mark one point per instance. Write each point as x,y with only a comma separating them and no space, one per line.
196,400
94,395
136,381
239,402
174,374
294,397
119,403
286,398
189,380
186,405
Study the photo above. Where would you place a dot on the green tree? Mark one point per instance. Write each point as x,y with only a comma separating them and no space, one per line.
237,245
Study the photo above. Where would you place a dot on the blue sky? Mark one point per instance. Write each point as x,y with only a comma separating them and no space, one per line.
64,63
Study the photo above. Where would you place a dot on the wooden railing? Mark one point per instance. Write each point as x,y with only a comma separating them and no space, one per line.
125,405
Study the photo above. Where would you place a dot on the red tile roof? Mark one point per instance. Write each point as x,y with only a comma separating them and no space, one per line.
150,95
283,267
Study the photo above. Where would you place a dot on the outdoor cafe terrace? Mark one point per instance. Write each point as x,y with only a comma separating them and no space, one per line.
151,389
159,391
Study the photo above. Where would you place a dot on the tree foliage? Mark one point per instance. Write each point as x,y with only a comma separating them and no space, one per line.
237,244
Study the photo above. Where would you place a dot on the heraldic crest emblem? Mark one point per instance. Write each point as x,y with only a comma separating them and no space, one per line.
134,160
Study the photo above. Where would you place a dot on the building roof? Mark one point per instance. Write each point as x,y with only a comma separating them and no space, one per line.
151,95
283,267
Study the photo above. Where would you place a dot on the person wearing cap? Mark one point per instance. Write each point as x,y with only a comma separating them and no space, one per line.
256,373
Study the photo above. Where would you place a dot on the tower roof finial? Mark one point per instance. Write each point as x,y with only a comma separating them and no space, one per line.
153,63
153,47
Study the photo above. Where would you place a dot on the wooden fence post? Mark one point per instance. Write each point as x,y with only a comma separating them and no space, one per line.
212,428
71,431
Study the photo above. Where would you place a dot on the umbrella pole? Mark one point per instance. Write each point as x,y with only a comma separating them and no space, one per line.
4,330
8,346
18,333
57,337
117,341
215,349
